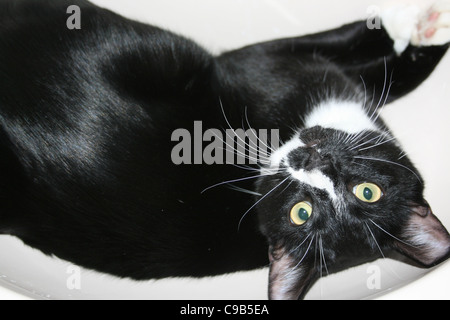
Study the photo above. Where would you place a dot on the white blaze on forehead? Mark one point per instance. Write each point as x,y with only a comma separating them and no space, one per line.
315,179
281,154
346,116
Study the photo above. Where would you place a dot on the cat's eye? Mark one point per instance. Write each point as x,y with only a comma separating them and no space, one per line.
301,213
368,192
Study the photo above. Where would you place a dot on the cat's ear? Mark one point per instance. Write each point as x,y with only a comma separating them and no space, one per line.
288,279
424,238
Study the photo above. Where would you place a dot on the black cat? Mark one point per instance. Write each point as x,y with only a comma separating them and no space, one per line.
87,118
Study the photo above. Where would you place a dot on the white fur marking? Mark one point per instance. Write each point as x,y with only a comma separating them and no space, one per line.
401,22
318,180
441,25
423,236
346,116
279,155
407,24
315,179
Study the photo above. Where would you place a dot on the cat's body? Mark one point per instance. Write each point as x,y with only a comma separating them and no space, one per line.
87,118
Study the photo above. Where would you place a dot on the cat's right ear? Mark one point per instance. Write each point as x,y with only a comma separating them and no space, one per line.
289,279
424,238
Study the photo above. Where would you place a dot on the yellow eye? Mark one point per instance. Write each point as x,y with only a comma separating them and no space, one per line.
301,213
368,192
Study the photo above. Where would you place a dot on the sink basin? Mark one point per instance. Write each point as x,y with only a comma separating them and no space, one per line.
420,121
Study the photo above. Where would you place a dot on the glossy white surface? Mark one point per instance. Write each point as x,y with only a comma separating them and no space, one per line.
419,120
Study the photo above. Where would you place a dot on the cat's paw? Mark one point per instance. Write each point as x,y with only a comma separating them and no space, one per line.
408,24
433,28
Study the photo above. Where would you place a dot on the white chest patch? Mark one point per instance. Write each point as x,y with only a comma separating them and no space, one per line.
346,116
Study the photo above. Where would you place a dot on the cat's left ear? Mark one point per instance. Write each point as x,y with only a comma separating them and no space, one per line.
288,278
424,238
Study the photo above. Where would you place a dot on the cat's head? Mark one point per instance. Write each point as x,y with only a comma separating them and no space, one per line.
335,199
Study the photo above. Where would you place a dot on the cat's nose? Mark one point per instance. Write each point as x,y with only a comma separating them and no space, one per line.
308,159
315,160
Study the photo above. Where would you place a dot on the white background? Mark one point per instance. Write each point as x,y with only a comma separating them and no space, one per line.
420,121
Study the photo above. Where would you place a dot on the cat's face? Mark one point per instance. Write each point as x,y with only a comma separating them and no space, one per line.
334,200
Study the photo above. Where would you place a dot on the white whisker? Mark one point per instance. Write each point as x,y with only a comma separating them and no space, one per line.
402,155
239,189
303,258
408,244
356,146
384,89
233,181
381,251
265,196
378,144
323,255
390,162
374,239
298,247
260,141
254,150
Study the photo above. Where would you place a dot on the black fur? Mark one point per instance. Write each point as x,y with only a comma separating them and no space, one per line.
86,119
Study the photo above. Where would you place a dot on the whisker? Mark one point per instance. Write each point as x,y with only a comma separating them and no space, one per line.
381,251
390,162
373,100
244,167
402,155
354,145
322,258
303,258
374,239
253,148
408,244
261,141
323,255
387,96
239,189
287,187
375,114
252,145
240,153
298,247
371,215
363,143
230,126
232,181
253,155
349,138
265,196
384,89
377,144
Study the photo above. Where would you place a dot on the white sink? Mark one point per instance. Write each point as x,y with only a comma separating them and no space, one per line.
419,120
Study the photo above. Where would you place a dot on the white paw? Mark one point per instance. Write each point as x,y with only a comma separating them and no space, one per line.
434,26
408,24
